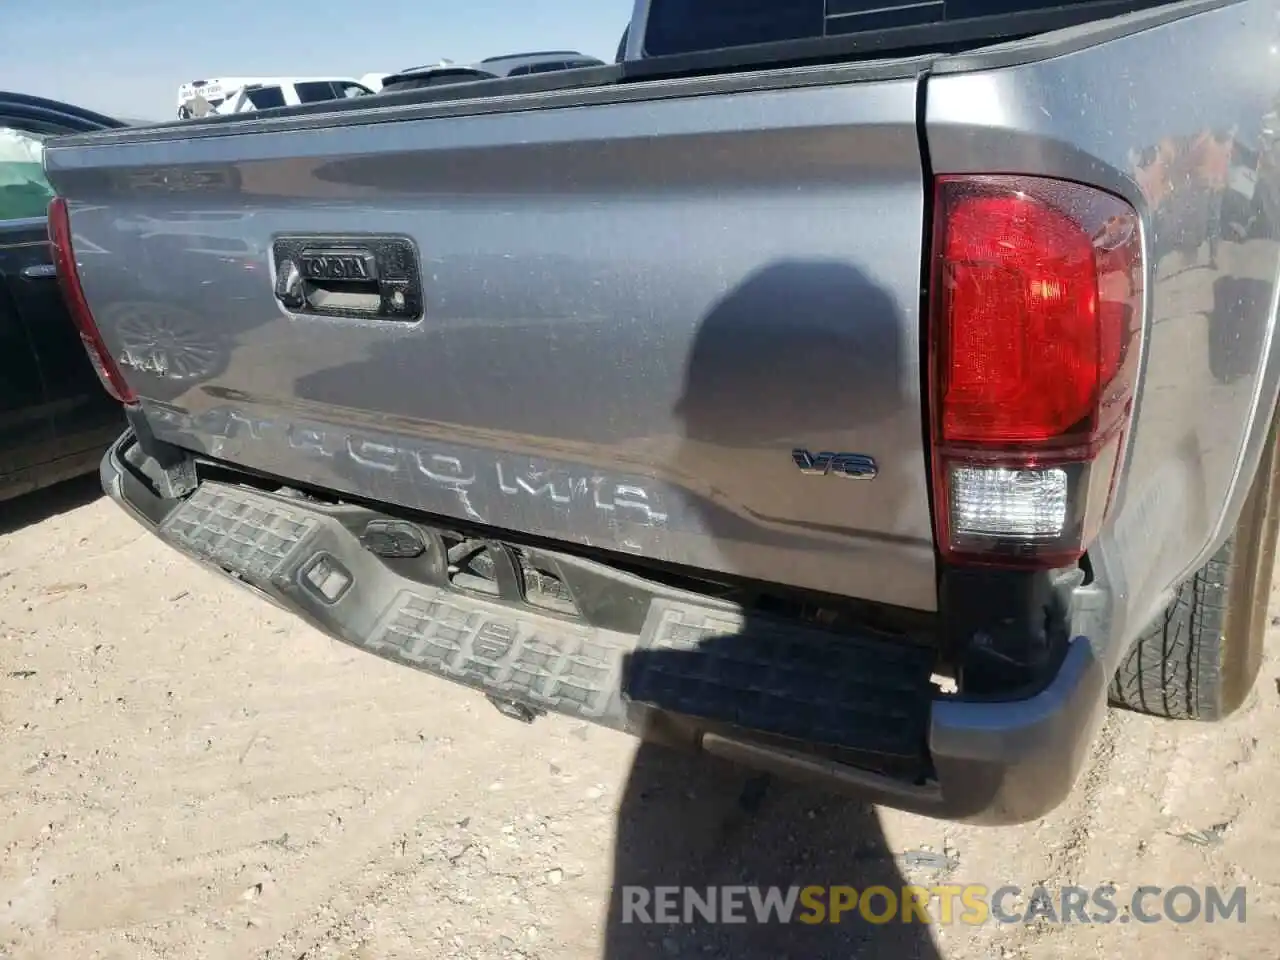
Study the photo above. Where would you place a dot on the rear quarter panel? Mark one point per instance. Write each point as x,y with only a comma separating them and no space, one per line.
1174,118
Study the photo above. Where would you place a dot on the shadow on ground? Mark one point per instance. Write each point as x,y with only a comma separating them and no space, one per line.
691,821
32,508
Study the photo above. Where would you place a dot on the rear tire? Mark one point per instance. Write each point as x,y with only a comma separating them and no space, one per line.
1201,657
1174,670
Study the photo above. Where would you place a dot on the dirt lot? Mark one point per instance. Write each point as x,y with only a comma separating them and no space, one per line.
187,772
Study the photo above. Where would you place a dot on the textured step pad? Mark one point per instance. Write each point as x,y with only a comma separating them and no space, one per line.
762,674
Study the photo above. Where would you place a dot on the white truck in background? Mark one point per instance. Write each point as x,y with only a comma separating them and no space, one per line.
200,98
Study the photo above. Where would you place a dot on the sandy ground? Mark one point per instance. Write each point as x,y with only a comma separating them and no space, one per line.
187,772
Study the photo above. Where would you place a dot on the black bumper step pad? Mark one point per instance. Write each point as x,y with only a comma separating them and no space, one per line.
802,683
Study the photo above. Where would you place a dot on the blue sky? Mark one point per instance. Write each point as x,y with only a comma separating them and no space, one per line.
127,57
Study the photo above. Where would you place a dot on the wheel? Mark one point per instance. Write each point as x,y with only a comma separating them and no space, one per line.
1201,657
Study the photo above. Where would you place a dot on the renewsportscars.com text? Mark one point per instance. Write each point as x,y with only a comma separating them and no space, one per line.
970,904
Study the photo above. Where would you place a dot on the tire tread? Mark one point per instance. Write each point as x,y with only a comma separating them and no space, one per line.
1175,669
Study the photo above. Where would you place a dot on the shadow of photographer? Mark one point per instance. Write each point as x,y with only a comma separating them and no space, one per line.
697,822
800,345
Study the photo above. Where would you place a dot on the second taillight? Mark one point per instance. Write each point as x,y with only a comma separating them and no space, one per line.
64,261
1036,324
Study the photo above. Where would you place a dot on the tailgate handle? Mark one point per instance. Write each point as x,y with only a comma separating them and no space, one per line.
353,283
348,276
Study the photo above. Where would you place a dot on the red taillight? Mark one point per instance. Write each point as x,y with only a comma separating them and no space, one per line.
64,261
1036,319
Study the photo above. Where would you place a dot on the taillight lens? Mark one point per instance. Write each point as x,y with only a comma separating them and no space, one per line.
1036,325
64,261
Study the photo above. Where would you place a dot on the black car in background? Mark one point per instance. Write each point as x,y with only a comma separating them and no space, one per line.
55,417
543,61
507,65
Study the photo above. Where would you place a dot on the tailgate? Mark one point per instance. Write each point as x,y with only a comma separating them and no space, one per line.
634,315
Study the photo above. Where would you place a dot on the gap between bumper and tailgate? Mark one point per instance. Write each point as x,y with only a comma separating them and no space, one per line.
710,662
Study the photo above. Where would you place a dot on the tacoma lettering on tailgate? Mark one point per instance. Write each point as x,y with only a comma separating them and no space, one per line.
473,478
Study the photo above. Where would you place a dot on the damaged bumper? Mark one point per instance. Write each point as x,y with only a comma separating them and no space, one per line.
548,632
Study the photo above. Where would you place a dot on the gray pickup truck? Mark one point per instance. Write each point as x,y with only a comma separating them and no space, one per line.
859,393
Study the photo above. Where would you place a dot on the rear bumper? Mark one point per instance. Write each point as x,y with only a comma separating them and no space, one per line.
649,660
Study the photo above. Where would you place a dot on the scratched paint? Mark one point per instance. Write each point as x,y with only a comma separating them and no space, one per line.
474,479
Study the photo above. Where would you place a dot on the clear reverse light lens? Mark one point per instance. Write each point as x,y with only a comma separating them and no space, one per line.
1004,502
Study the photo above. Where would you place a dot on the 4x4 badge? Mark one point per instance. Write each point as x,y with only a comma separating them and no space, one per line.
851,466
